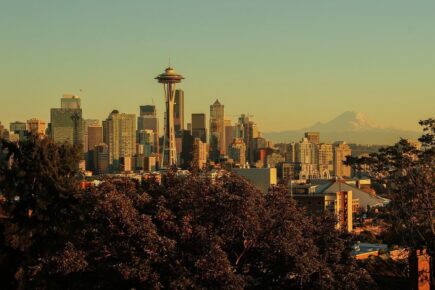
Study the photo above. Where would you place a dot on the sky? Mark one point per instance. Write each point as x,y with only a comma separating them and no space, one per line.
288,63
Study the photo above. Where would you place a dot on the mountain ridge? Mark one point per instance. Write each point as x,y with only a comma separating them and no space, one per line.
352,127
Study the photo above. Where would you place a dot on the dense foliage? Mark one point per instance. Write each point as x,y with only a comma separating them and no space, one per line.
407,171
187,232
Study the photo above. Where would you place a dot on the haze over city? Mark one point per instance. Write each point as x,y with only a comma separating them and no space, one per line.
290,64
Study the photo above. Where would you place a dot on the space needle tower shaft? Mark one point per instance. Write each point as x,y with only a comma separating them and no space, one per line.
169,79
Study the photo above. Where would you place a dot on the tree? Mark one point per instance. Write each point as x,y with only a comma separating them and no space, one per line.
190,231
407,173
39,184
229,235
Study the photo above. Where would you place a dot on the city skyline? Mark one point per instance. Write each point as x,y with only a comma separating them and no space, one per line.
288,70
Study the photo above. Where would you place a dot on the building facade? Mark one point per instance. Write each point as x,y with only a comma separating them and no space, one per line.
217,130
200,153
148,120
305,152
36,126
341,150
326,158
179,112
119,131
313,137
237,152
199,129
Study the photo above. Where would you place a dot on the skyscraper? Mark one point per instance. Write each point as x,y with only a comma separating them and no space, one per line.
313,137
146,138
199,129
290,155
36,126
86,124
119,131
199,153
95,136
326,158
237,152
70,102
341,150
186,156
169,79
305,152
179,112
217,130
20,129
101,159
66,122
148,121
229,134
250,131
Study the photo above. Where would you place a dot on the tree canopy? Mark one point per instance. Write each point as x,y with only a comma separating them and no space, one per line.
406,171
189,231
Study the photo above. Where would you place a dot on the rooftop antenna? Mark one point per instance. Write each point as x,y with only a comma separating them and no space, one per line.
169,61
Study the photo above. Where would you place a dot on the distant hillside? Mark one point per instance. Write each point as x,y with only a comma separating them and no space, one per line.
350,127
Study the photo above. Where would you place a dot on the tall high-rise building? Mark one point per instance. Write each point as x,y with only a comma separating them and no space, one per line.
67,122
249,130
36,126
313,137
237,152
17,126
229,134
199,129
179,122
186,156
119,131
179,112
290,155
148,120
20,129
326,158
341,150
147,139
305,152
199,153
70,102
94,136
86,124
169,79
101,159
239,130
217,130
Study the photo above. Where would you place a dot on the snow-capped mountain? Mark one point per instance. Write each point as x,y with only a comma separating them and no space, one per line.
351,127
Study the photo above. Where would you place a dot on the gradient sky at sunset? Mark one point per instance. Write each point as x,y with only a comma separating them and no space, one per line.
289,63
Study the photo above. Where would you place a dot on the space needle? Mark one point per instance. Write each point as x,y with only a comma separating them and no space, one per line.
169,79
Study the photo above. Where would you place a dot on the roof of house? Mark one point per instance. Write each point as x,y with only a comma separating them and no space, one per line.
365,199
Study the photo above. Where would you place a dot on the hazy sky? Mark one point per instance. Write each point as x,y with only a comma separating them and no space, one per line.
289,63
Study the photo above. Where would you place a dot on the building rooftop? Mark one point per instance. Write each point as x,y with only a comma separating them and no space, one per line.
366,248
365,199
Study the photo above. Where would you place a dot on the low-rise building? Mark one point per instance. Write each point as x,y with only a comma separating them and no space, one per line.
261,178
339,203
